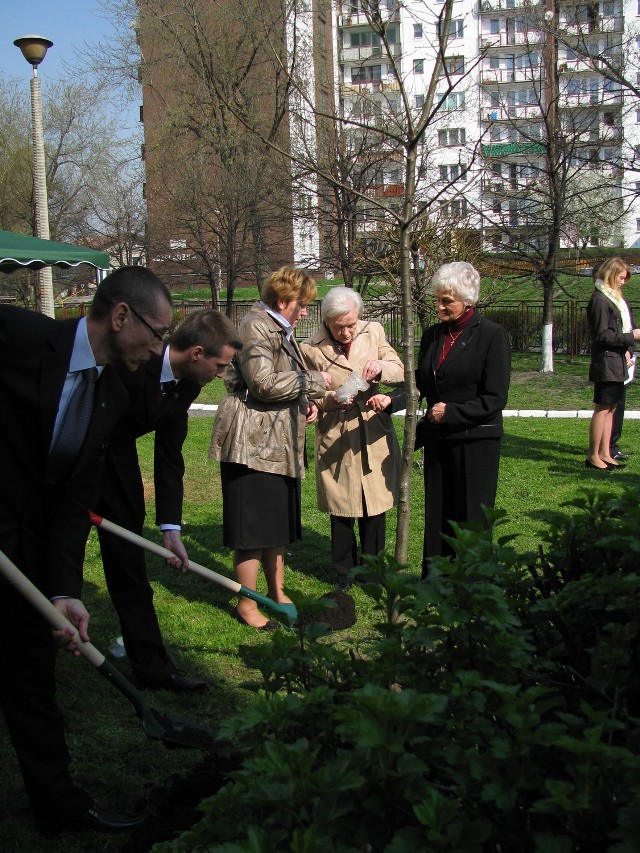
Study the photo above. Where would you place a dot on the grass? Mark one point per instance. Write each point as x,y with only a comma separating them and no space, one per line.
568,388
542,467
506,290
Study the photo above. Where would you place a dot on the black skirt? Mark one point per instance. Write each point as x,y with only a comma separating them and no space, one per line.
259,510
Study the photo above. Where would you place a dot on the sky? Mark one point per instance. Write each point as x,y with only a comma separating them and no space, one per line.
69,24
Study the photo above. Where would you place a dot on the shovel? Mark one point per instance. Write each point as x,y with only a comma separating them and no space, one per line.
157,725
287,610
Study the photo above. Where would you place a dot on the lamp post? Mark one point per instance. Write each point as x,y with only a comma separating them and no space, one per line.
34,49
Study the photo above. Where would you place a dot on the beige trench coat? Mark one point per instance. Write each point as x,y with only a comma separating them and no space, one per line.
357,451
261,423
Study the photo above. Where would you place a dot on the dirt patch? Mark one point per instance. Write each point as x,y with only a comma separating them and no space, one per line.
173,807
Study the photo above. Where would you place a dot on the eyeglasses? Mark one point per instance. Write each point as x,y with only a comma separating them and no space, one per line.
154,332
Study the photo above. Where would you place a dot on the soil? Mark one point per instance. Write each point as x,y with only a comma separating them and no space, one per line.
173,808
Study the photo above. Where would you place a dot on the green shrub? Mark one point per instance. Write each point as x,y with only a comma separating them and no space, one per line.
495,708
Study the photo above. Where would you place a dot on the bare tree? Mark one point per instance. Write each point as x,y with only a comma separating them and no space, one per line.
551,190
281,48
86,161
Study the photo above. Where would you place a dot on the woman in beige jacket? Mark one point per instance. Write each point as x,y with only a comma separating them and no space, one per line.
357,452
258,438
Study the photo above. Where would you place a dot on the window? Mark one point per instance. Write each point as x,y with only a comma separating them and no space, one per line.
451,136
452,173
417,31
365,39
453,101
366,74
453,65
420,101
637,116
455,209
494,25
418,66
609,120
637,224
456,29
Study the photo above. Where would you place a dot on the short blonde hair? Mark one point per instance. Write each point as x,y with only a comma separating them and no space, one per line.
460,279
287,284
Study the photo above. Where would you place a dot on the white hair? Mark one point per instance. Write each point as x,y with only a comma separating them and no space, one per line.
339,301
458,278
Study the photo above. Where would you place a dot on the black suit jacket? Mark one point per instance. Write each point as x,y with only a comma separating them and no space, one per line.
473,380
609,343
169,421
44,525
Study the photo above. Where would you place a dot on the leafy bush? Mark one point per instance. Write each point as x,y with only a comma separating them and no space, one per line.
494,709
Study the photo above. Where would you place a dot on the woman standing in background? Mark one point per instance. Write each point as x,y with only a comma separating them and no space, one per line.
612,340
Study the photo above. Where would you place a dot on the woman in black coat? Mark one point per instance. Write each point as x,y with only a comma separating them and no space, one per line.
463,371
612,340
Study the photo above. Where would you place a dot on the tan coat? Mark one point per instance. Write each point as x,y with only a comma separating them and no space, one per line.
261,423
356,449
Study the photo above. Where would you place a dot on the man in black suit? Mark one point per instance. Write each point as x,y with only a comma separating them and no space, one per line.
43,509
160,395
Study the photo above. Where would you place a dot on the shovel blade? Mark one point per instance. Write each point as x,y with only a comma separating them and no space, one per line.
176,732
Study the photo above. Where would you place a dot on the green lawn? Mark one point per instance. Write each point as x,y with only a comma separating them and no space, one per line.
505,290
542,466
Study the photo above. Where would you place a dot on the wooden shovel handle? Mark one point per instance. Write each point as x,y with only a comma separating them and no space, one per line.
42,604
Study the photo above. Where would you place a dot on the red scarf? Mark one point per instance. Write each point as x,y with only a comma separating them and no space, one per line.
454,330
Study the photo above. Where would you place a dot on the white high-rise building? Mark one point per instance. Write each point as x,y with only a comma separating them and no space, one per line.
518,73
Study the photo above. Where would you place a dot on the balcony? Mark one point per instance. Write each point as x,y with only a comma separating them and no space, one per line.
514,112
386,191
358,54
492,76
509,149
359,19
507,5
368,87
508,39
569,100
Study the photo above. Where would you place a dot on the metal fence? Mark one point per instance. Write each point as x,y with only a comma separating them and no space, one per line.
522,320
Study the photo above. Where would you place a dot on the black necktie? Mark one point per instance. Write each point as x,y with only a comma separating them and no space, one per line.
75,423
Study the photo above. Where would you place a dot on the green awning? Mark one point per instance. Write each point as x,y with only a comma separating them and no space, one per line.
503,149
20,251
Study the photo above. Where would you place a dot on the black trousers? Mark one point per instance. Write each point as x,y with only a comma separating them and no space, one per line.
459,477
125,571
34,720
344,548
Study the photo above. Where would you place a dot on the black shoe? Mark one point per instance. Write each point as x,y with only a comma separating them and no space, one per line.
342,585
269,625
94,818
176,682
617,467
589,464
619,456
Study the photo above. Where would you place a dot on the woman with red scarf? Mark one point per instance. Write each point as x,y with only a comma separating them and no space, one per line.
463,371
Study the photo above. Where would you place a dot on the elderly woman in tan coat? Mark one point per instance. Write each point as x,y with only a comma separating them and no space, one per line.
356,449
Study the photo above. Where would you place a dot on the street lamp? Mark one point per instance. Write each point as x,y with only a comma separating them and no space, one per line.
34,50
